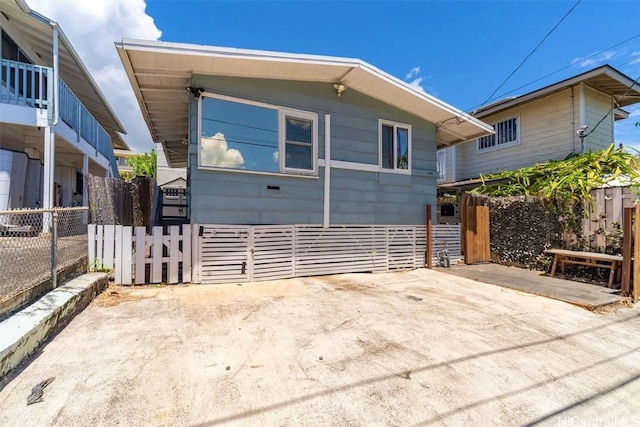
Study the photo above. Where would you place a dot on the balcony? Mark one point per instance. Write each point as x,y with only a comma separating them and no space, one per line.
28,85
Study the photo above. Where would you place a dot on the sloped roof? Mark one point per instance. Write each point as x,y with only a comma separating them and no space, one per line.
37,30
160,72
605,79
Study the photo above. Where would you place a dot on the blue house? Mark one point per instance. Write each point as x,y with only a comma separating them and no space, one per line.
55,123
271,138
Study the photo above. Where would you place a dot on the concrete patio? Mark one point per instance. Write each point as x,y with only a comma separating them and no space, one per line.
412,348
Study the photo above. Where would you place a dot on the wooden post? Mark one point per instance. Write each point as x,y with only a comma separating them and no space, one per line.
636,252
627,238
429,253
476,235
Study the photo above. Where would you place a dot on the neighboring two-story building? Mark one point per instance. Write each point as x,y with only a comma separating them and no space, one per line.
572,116
55,123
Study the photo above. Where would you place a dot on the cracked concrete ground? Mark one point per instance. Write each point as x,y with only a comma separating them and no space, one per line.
344,350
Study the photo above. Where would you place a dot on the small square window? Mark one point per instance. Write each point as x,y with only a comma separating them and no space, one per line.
507,134
395,146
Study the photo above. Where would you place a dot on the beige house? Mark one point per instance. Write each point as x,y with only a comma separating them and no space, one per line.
572,116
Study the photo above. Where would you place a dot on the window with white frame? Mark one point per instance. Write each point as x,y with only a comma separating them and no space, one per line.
298,141
238,134
507,134
395,146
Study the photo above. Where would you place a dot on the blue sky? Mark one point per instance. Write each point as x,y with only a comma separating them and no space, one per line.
463,50
458,51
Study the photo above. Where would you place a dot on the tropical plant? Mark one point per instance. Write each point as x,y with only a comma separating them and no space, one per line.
127,176
570,180
144,164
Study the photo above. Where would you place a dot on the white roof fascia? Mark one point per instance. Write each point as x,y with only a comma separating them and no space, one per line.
556,87
213,51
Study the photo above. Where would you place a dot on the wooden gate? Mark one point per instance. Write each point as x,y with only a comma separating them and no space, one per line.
475,229
224,253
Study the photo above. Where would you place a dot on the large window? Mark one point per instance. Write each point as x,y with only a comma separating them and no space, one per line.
507,134
251,136
395,146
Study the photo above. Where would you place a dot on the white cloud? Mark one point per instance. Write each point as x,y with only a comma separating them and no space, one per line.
415,71
417,84
414,79
593,60
92,27
215,152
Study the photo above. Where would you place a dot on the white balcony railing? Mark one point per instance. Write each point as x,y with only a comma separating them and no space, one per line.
29,85
25,84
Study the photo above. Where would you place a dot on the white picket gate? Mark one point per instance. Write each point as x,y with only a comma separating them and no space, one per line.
128,250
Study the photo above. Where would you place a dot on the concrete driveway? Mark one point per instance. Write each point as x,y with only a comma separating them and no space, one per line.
411,348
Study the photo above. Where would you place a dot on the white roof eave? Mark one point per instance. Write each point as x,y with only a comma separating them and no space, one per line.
354,73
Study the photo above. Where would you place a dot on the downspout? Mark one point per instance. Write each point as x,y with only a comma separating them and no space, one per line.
56,75
573,121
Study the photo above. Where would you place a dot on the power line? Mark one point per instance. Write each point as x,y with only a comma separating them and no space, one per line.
239,141
559,70
532,52
613,106
239,124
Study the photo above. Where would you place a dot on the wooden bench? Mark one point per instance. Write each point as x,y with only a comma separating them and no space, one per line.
590,259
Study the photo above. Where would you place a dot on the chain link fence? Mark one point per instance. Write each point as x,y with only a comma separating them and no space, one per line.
33,244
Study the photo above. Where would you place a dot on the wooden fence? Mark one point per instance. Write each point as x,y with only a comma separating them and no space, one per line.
113,201
236,253
631,253
606,215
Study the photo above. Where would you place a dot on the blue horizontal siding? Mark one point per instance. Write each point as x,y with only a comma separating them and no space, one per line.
357,197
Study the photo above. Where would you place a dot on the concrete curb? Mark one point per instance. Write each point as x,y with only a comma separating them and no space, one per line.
24,331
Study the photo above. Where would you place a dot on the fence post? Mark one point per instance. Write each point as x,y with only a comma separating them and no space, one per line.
429,253
627,238
636,251
54,246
